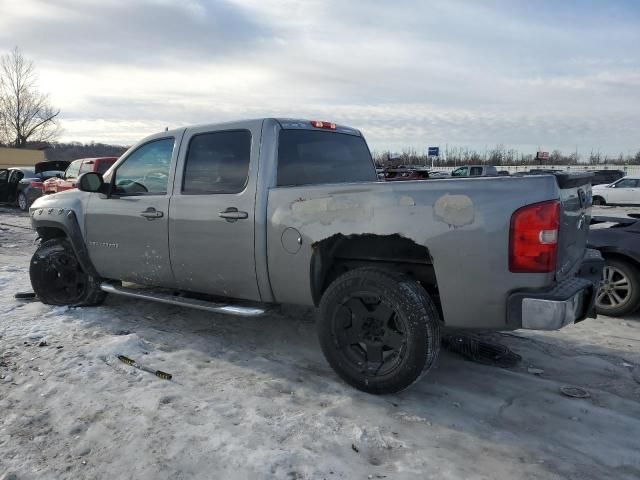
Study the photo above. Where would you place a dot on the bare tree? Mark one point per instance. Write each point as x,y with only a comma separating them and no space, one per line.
26,114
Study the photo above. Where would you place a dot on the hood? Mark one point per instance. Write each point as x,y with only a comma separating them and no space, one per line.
72,199
59,165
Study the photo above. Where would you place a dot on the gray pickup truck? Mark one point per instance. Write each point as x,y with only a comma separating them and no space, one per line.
236,217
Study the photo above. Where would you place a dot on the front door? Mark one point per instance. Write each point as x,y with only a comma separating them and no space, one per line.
127,232
632,192
211,217
623,191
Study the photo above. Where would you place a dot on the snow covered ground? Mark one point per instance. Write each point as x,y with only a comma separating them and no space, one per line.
254,398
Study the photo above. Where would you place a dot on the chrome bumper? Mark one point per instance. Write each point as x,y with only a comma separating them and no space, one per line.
540,314
569,301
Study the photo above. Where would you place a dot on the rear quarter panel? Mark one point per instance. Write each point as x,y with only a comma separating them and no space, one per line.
464,223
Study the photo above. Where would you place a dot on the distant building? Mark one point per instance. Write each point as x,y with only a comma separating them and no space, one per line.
19,157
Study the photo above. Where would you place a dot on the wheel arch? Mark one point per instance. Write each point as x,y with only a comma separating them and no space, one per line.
62,223
621,254
340,253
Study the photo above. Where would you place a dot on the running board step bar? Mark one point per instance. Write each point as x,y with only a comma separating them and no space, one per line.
155,296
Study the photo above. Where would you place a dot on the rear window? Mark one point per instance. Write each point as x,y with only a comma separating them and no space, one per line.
50,174
103,165
307,157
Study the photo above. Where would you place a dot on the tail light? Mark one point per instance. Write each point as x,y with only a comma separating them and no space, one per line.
36,184
533,238
325,125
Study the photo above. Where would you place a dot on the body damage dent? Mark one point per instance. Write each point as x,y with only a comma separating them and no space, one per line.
454,210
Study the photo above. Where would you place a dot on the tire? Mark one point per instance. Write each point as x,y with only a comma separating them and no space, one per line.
599,201
57,279
619,292
22,202
384,315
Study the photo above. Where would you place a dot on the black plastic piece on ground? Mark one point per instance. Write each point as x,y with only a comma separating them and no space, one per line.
476,350
24,295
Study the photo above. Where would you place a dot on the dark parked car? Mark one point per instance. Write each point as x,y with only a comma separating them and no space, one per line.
22,185
619,244
538,171
605,177
399,174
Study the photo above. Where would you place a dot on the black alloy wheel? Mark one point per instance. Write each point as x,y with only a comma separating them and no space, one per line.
370,334
58,279
379,330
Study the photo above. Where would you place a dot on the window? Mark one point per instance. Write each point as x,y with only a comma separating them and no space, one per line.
146,170
73,170
16,175
460,172
627,183
103,165
217,162
308,157
4,174
86,166
476,171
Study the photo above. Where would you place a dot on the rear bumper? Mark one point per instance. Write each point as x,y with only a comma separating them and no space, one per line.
569,301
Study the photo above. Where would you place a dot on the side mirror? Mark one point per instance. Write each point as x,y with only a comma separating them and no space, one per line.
91,182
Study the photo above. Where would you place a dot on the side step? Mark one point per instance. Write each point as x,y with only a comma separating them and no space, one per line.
156,296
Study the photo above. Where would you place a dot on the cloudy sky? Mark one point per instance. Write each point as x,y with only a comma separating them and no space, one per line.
409,73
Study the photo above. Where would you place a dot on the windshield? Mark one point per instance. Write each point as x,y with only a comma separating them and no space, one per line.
51,173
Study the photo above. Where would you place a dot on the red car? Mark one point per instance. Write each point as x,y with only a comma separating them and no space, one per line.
73,171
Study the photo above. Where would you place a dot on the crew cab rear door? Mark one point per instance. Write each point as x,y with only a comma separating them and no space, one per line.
211,216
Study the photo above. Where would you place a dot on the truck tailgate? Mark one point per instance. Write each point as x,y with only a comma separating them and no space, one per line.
575,216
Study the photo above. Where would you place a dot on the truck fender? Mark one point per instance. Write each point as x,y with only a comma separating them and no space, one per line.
65,220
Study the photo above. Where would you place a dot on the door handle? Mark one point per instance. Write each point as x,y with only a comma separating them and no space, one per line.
151,213
232,214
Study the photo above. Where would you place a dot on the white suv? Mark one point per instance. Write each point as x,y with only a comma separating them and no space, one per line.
622,192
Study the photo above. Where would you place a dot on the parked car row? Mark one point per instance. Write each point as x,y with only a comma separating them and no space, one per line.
609,186
22,185
599,177
74,170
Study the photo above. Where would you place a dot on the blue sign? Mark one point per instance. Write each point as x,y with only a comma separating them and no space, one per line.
434,151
